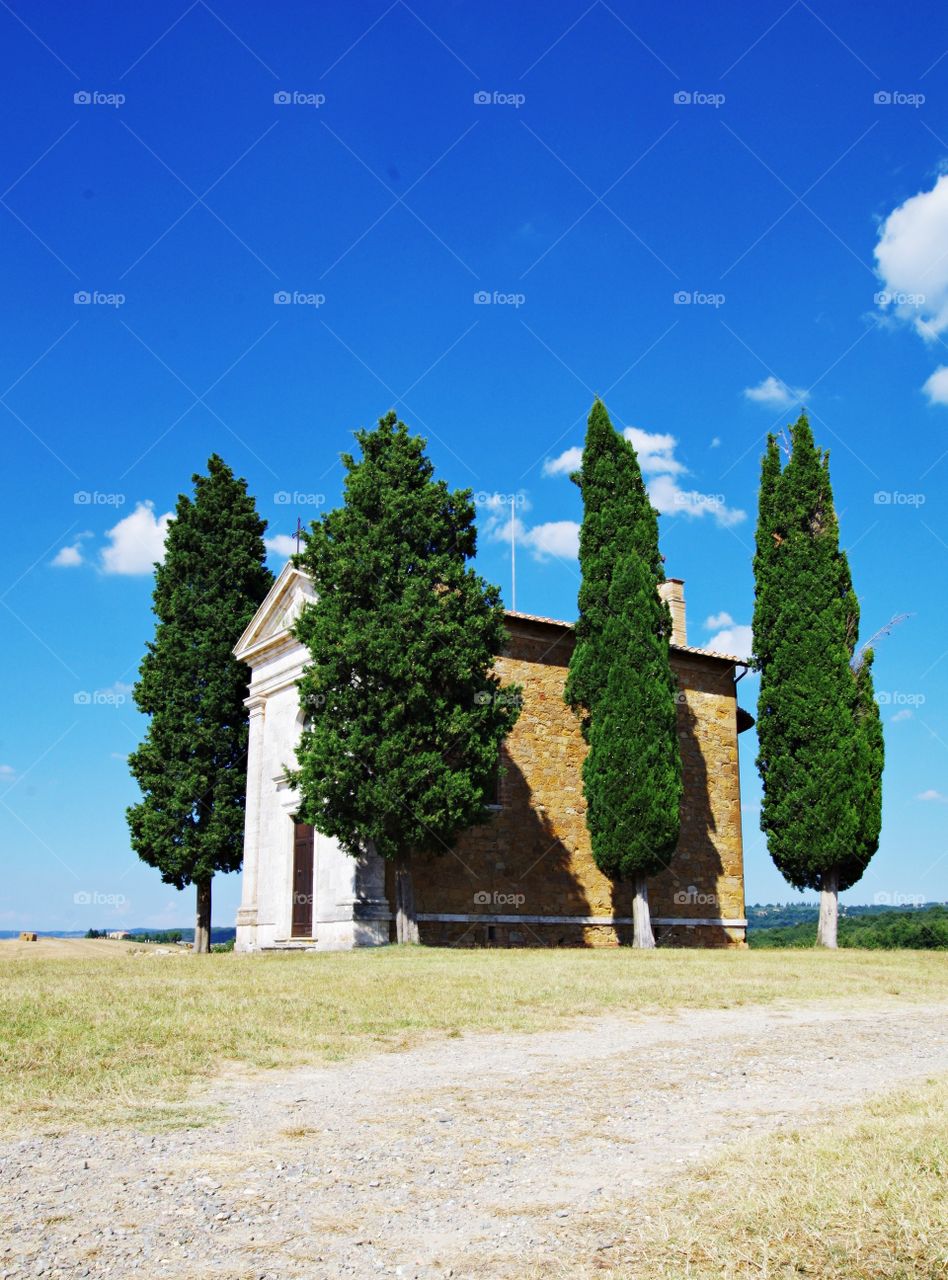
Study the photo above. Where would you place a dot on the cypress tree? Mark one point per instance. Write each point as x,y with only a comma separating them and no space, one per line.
191,765
818,726
620,679
617,517
405,715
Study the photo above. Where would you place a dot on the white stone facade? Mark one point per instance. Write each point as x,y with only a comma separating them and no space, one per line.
347,906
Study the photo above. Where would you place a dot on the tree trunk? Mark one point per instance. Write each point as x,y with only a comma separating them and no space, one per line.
829,909
406,922
642,935
202,920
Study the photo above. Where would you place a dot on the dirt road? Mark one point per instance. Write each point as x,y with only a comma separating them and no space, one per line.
462,1158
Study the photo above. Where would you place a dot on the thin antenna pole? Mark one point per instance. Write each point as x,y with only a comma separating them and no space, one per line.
513,555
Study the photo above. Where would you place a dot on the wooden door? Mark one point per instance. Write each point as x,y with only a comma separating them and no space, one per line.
303,842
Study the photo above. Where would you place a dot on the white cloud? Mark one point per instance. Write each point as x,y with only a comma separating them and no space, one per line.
555,538
718,620
281,544
7,772
715,442
72,555
137,542
68,557
737,639
669,499
904,714
565,463
936,387
772,391
932,795
656,454
912,261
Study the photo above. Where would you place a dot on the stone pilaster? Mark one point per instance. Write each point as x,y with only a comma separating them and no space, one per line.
247,913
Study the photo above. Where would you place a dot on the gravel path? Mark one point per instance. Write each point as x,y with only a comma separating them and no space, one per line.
412,1164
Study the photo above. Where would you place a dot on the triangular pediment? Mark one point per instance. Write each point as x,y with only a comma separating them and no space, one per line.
271,624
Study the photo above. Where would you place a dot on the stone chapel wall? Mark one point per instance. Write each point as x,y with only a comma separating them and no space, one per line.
534,858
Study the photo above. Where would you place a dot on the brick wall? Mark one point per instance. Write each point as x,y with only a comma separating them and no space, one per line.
534,858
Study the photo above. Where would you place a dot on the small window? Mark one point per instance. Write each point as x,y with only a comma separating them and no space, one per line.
494,794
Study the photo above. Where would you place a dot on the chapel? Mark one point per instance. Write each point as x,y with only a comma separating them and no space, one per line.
526,877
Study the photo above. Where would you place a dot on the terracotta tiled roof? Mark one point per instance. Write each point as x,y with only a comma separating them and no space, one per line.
568,626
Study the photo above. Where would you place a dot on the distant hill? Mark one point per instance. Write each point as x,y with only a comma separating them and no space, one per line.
223,934
773,914
873,928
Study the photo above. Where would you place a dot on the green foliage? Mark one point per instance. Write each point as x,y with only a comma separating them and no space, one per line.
618,519
922,929
404,716
632,774
191,765
818,725
620,675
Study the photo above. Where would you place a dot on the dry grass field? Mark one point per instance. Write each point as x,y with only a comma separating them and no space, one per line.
617,1125
864,1197
104,1032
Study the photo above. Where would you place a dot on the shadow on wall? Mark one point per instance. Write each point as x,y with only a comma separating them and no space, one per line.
688,887
520,863
533,859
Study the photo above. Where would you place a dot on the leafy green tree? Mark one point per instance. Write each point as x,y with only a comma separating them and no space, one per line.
617,517
404,715
818,726
191,765
620,679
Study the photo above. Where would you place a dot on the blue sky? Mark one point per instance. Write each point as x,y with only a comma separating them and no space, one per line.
386,168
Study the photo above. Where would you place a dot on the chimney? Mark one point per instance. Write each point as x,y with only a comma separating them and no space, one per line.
672,590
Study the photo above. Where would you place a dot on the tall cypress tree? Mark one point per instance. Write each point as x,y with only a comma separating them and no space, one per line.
191,765
818,726
620,679
617,517
405,715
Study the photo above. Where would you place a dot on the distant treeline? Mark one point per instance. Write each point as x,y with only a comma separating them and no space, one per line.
886,929
770,915
169,936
